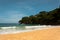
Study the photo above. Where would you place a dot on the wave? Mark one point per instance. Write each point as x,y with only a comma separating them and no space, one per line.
12,29
8,27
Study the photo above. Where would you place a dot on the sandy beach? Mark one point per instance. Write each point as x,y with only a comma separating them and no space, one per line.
45,34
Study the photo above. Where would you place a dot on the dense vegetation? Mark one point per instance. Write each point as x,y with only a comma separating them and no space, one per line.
43,18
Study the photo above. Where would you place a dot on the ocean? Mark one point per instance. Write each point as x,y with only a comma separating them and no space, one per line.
8,24
17,25
13,24
12,28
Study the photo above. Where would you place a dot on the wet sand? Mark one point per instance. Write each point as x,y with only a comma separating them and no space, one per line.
45,34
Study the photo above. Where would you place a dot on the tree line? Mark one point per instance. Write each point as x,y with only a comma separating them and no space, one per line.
43,18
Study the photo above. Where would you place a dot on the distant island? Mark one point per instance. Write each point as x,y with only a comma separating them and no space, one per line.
43,18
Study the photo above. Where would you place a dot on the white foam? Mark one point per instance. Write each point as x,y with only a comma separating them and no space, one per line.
7,30
13,31
8,27
39,26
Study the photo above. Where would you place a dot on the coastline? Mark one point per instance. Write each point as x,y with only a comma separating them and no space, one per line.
45,34
13,30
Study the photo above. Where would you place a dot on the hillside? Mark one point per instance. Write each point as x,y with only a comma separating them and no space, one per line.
43,18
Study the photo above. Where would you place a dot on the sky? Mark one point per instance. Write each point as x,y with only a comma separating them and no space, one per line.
11,11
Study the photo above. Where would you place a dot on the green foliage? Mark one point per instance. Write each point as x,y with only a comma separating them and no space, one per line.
43,18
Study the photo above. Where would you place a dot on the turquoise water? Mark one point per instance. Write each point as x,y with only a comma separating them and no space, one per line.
13,24
18,26
8,28
8,24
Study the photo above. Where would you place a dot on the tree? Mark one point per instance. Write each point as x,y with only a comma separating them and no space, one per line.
43,18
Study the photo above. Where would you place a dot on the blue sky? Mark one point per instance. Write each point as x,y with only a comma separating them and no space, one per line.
11,11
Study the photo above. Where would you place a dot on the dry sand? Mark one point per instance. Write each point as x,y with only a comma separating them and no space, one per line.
45,34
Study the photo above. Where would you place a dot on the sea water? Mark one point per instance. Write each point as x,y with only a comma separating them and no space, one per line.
12,25
16,27
13,28
7,24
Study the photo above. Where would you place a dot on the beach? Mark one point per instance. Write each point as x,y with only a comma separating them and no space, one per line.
15,29
44,34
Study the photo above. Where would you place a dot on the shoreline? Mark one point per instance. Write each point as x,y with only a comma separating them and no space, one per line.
45,34
31,28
